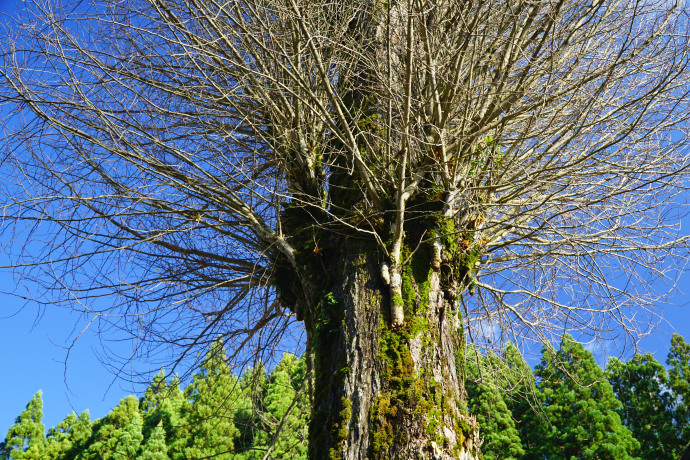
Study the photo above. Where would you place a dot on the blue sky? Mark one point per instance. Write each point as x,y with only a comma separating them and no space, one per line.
33,357
33,354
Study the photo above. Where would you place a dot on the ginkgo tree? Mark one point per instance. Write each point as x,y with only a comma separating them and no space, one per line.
395,175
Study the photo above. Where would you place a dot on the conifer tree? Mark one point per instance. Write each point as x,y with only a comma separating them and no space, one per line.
487,404
641,385
59,439
578,417
66,440
26,438
170,412
155,393
286,432
520,389
129,440
118,435
163,406
209,417
678,362
679,367
251,405
155,448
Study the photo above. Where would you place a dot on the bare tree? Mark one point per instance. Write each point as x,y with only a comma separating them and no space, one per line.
396,175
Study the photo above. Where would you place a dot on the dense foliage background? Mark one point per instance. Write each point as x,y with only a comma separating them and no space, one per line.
567,407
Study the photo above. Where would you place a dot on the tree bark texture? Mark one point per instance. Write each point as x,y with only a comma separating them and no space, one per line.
382,391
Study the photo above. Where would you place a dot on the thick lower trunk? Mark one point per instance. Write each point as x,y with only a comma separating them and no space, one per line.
384,392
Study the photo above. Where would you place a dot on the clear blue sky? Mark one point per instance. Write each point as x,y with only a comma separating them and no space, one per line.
33,357
32,354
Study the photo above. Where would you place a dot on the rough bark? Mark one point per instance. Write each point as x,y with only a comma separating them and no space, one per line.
380,391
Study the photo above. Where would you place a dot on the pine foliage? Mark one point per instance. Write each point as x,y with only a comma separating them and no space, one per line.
568,408
487,404
578,415
647,407
678,362
26,438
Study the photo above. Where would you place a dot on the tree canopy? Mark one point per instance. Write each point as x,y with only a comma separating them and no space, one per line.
578,415
167,423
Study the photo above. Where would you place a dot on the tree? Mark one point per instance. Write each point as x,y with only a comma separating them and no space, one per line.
164,405
647,405
285,414
248,419
487,404
678,361
209,417
26,438
577,418
117,436
154,448
357,169
66,440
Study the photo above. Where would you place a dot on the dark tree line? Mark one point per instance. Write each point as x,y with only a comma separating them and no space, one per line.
567,408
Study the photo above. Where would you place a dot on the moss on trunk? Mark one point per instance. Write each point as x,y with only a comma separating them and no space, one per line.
384,392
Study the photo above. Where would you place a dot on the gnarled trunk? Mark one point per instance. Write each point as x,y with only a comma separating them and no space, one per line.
382,391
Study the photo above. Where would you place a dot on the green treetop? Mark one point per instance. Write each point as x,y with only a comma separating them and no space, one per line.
155,393
155,447
214,394
118,435
69,437
487,404
678,362
520,390
286,432
165,405
251,407
578,418
641,385
26,438
679,367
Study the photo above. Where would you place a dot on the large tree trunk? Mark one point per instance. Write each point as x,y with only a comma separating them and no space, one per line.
380,391
379,283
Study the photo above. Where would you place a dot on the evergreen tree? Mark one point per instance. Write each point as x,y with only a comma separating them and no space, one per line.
641,385
678,362
520,390
129,440
26,438
170,412
487,404
58,441
578,418
163,406
281,391
251,405
67,439
213,394
118,435
264,406
155,447
155,393
679,367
